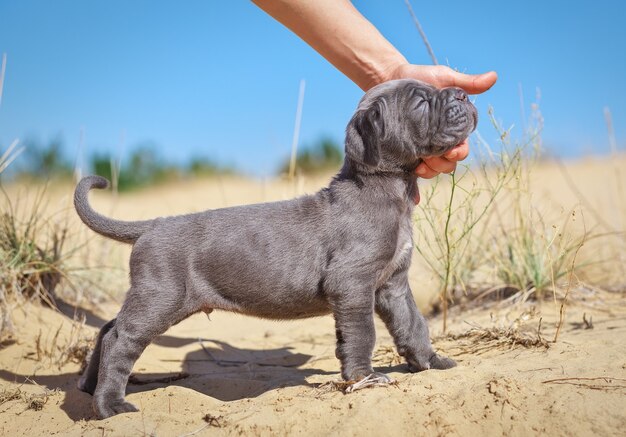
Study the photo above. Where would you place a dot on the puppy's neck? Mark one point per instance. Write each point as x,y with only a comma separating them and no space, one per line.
397,185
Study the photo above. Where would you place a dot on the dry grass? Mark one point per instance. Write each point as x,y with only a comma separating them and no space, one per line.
34,256
486,236
39,249
453,221
52,348
351,386
480,340
30,258
386,355
10,155
31,401
595,383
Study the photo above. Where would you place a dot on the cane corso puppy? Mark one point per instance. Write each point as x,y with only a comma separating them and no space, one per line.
343,251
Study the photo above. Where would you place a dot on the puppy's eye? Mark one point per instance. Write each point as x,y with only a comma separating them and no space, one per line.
418,104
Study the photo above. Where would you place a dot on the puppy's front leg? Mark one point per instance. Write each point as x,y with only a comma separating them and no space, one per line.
356,335
396,307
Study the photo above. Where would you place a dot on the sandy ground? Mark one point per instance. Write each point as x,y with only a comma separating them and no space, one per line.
238,375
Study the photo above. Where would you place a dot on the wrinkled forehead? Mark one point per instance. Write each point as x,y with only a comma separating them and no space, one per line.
391,89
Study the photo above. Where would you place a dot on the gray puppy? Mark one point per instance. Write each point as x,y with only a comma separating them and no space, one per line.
343,251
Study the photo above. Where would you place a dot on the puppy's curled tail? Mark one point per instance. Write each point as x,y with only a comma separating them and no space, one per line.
126,232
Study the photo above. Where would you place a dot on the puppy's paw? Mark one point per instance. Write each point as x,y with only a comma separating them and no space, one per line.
417,365
433,362
441,363
104,410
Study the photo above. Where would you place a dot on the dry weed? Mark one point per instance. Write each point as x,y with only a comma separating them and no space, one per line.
595,383
216,421
36,253
387,356
32,401
30,267
485,239
60,350
351,386
479,340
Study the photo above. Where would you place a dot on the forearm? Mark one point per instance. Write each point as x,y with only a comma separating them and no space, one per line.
336,30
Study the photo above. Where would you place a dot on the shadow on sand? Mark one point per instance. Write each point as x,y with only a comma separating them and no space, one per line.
216,369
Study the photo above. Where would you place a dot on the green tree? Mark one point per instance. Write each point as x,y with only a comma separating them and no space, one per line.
323,156
44,160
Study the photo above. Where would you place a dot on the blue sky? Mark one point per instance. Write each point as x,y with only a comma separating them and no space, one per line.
220,79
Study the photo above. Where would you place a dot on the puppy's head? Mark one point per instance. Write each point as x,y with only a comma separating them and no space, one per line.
401,121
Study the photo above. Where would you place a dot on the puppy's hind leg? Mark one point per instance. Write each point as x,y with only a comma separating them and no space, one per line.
89,379
396,307
144,315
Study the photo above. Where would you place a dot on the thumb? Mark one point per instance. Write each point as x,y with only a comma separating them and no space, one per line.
474,83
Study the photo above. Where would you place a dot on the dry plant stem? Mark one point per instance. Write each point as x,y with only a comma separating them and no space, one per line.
2,71
369,381
352,386
521,105
569,287
421,31
444,289
32,401
578,382
454,257
609,127
531,256
202,428
553,279
9,155
34,255
480,340
621,216
296,131
539,330
603,378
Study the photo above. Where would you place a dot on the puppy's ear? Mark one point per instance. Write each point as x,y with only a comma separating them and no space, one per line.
365,132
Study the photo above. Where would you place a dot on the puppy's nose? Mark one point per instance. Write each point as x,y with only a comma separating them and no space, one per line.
461,95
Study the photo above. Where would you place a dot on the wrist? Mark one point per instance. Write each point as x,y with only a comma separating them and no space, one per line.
385,70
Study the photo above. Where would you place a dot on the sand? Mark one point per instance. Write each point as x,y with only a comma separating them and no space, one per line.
235,375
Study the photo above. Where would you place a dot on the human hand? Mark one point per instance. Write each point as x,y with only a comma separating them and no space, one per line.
446,163
442,77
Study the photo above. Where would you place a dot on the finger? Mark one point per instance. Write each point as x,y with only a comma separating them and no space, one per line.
425,171
458,152
474,83
431,167
440,164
